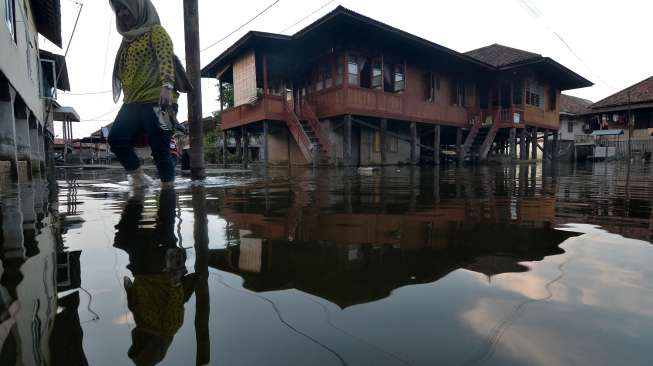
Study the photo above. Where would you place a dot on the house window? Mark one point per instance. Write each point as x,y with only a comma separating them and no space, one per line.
534,94
328,75
319,78
518,92
377,74
339,71
432,84
570,126
352,70
553,96
10,17
457,93
399,78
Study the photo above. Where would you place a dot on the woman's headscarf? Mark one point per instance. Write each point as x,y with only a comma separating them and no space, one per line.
146,17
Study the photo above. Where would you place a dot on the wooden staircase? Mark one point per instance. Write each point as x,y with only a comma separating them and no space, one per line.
316,133
308,133
489,140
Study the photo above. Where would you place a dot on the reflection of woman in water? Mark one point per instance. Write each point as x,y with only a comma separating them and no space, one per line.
160,287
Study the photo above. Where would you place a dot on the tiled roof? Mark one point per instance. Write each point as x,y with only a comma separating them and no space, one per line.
641,92
498,55
574,105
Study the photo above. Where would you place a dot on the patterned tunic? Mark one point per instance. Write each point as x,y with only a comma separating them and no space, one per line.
145,64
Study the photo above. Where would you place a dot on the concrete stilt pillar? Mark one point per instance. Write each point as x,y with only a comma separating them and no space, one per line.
12,225
41,149
513,144
8,158
436,145
35,159
23,148
534,143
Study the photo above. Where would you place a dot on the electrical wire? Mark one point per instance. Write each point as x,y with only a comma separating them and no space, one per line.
308,16
241,27
536,14
281,319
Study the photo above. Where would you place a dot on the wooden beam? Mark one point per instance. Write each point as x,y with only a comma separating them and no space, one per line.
399,137
522,144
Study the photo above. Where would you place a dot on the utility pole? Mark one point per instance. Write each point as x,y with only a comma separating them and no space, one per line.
192,37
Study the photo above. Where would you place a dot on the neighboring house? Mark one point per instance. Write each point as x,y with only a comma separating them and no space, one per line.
350,90
27,84
574,120
612,113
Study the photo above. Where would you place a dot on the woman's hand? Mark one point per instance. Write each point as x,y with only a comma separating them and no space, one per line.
165,100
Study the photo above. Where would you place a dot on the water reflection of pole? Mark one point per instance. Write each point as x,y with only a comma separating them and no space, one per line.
202,299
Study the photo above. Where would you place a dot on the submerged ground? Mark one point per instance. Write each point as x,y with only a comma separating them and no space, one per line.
507,265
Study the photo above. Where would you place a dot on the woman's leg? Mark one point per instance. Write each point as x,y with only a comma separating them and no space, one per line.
159,141
126,128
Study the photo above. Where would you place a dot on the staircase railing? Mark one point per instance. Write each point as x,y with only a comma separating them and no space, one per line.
489,140
297,131
470,138
314,122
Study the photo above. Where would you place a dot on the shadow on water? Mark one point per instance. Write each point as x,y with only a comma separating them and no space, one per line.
481,265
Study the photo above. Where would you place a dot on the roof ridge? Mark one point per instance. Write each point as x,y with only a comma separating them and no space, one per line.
622,90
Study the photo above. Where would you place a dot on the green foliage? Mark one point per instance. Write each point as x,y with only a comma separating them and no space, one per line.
227,94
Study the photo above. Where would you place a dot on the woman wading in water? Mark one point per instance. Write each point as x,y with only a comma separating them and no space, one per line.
144,70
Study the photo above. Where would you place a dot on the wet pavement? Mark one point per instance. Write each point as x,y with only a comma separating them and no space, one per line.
520,265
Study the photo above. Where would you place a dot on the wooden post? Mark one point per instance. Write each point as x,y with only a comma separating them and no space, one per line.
413,143
239,141
513,144
545,147
202,295
556,146
225,145
436,145
534,144
245,146
266,132
384,147
522,144
459,145
266,82
347,140
192,38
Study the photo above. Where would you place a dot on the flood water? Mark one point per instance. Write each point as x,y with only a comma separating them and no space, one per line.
507,265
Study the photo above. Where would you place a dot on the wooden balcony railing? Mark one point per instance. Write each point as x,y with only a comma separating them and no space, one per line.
269,107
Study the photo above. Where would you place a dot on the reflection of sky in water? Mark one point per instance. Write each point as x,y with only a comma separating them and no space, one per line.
391,271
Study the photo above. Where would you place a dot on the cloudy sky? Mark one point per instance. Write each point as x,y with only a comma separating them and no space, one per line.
605,41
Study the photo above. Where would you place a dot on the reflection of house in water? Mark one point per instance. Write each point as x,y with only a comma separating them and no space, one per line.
31,271
356,257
